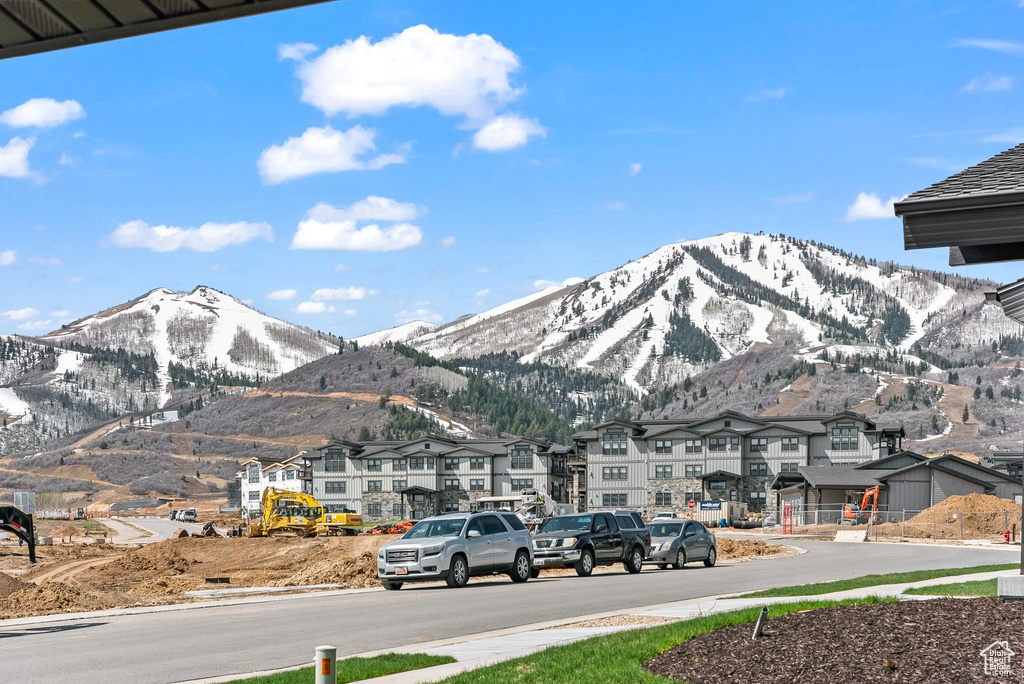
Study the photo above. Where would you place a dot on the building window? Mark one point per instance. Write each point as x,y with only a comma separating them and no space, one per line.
254,473
451,508
451,464
398,464
728,423
791,444
254,496
614,443
613,500
374,464
476,485
663,498
693,446
399,485
398,510
522,483
476,463
451,485
374,486
334,461
522,458
759,444
334,487
844,437
692,496
734,443
788,467
759,470
663,446
693,471
717,443
614,473
716,485
289,475
418,463
426,445
757,500
373,509
662,471
272,477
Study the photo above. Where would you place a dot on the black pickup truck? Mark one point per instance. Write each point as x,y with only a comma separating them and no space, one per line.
586,540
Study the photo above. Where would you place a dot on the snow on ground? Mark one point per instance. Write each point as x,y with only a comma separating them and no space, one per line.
69,361
400,333
13,406
810,330
452,427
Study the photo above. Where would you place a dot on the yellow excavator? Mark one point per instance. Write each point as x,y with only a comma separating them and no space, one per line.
284,512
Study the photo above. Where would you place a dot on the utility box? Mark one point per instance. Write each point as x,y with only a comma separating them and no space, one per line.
25,502
1011,588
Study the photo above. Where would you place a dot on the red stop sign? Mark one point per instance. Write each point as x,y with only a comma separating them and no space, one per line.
691,504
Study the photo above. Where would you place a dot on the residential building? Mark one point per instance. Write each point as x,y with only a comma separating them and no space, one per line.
258,473
393,480
661,465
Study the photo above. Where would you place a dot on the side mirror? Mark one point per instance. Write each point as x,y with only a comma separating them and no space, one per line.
472,534
601,528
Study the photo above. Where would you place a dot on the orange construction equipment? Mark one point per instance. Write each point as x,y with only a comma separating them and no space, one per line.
855,515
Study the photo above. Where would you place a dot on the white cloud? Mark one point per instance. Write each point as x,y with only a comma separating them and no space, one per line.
20,314
42,112
1004,46
295,51
767,94
7,257
46,261
795,198
448,241
14,158
635,168
613,205
208,237
36,325
456,75
870,206
482,293
987,83
419,315
542,284
314,308
322,150
340,268
329,227
347,293
67,160
349,312
282,294
507,132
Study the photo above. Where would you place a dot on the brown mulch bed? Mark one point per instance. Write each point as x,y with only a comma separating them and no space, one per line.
911,641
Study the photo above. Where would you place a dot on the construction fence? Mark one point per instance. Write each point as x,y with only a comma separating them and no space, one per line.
901,524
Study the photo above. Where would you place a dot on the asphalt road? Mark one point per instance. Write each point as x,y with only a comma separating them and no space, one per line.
189,644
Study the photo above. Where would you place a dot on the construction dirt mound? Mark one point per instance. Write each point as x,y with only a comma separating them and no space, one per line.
160,559
51,597
972,516
9,585
351,573
743,548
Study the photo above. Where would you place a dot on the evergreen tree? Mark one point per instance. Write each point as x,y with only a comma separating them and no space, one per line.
966,414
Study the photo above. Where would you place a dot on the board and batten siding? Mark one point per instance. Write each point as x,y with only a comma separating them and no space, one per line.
911,491
945,485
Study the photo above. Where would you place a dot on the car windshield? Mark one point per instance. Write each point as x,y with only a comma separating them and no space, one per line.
569,523
665,529
436,528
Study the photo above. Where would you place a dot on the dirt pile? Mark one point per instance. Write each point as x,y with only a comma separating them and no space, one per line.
974,516
9,585
742,548
350,573
160,559
51,597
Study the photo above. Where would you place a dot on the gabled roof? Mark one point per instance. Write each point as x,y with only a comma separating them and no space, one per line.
847,415
775,426
841,476
465,447
720,474
619,421
880,462
939,463
655,431
532,440
727,414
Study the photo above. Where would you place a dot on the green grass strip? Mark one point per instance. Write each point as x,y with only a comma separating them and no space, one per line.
354,669
618,657
975,588
875,580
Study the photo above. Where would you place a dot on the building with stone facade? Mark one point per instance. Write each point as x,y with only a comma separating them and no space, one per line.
661,465
394,480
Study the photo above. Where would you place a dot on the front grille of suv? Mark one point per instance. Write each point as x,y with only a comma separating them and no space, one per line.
402,556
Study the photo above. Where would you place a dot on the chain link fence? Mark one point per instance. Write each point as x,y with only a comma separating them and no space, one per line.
826,520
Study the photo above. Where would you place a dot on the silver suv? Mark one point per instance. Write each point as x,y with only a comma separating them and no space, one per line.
456,546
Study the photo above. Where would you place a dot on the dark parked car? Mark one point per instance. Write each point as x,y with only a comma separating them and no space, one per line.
677,542
587,540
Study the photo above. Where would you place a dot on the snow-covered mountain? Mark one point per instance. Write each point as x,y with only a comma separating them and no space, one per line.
688,305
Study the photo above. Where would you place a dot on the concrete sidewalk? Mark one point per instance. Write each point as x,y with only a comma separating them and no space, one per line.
489,649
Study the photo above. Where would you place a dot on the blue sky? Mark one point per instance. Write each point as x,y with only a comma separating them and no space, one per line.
561,140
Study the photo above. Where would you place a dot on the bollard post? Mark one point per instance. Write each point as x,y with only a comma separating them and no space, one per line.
960,517
903,531
759,625
325,665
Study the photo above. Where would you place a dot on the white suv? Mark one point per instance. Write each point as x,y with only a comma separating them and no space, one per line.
456,546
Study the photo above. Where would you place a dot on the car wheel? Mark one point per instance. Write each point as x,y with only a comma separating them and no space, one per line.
521,569
534,573
712,556
392,586
458,573
635,561
680,560
585,565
